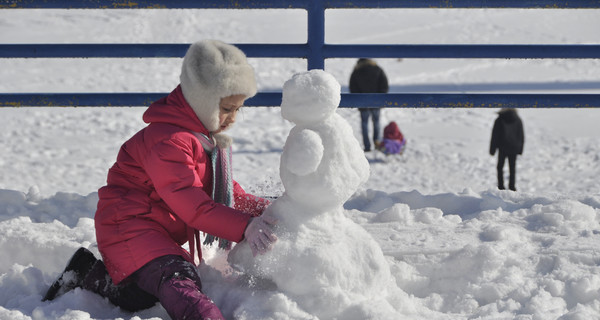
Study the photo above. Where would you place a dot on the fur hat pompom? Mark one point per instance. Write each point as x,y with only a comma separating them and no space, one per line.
213,70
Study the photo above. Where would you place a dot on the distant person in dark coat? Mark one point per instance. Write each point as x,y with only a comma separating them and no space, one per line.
508,138
368,77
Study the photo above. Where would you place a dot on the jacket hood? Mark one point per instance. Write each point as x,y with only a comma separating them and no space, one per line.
391,131
174,109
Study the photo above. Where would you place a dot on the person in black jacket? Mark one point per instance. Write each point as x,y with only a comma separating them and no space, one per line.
368,77
508,137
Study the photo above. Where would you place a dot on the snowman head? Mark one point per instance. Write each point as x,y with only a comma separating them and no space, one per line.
310,97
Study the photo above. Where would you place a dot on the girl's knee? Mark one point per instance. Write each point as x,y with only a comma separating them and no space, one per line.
183,298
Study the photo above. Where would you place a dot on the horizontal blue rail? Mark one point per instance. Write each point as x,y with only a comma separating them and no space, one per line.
315,51
300,4
151,50
361,100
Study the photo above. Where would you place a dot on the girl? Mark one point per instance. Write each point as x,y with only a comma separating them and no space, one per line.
171,180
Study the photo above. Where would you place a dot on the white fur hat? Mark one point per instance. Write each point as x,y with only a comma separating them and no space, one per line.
213,70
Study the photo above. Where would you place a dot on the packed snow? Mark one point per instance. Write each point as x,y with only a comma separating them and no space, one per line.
322,165
428,233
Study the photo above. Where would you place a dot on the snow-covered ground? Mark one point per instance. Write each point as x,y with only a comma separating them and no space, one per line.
457,248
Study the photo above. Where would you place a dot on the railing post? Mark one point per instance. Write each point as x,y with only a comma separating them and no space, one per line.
316,35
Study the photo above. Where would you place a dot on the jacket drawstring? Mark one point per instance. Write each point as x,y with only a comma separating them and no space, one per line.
193,236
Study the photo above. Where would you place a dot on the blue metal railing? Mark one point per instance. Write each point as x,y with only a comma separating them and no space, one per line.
315,51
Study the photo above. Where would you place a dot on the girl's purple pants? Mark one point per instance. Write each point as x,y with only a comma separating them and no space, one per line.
169,279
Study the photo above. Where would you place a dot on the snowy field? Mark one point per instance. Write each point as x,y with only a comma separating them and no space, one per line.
456,247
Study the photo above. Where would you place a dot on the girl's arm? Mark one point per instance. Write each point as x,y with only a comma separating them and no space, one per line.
172,169
248,203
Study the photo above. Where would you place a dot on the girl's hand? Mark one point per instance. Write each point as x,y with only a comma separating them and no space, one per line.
259,234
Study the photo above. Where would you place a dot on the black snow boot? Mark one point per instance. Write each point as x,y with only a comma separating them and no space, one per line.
80,264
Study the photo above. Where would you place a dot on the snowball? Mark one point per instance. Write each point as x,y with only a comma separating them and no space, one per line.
302,154
310,97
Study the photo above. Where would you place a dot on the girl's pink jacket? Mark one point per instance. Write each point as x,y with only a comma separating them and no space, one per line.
158,191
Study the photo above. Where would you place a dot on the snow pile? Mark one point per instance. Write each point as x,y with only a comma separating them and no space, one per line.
494,255
489,255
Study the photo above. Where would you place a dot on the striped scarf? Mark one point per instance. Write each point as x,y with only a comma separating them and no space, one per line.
222,180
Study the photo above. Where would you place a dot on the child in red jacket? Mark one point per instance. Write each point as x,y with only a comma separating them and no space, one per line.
393,140
171,181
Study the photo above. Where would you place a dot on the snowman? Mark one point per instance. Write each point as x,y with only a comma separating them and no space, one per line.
323,261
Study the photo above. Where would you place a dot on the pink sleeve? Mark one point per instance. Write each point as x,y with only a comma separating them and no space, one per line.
248,203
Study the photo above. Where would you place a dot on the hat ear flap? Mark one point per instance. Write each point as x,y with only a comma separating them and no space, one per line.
195,91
